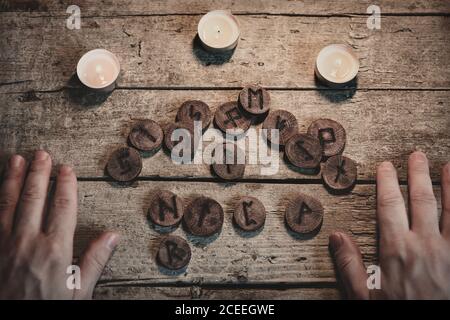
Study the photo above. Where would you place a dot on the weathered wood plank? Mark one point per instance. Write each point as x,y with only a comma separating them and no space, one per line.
196,292
272,256
380,125
139,7
40,53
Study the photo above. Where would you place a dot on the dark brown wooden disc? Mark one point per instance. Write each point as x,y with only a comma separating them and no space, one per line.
194,110
146,135
231,167
174,253
169,129
166,209
249,214
255,100
339,173
124,164
230,119
284,121
304,151
304,214
331,135
203,217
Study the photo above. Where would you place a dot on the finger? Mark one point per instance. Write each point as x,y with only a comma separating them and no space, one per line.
62,217
34,194
10,192
93,262
445,191
423,207
349,265
391,211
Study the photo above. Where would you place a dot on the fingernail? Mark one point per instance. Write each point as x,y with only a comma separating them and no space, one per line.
41,155
15,161
419,156
335,241
65,170
112,241
386,165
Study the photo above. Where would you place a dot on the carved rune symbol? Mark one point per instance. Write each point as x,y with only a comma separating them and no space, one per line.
305,153
144,132
281,123
124,162
203,213
232,116
174,252
340,170
163,208
254,96
246,206
304,209
195,115
326,135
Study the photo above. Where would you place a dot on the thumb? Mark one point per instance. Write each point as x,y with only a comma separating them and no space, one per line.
93,262
349,264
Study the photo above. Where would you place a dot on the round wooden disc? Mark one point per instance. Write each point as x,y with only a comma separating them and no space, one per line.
304,151
339,173
331,135
166,209
230,119
230,169
146,135
194,110
174,253
284,121
249,214
169,129
255,100
203,217
124,164
304,214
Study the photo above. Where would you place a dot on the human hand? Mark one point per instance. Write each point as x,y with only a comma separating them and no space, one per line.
414,252
36,234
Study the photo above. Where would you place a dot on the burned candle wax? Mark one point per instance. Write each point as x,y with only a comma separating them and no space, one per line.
98,69
336,65
218,31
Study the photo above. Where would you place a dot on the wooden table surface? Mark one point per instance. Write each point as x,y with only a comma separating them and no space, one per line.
400,104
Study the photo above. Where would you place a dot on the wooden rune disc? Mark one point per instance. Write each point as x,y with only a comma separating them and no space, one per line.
124,164
194,110
249,214
166,209
174,253
331,135
304,151
203,217
284,121
146,135
230,119
169,129
255,100
304,214
231,167
339,173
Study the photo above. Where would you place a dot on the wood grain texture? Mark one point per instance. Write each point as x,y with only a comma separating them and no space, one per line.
380,125
40,53
273,256
197,292
142,7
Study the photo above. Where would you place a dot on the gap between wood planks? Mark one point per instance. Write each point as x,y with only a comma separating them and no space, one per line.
237,286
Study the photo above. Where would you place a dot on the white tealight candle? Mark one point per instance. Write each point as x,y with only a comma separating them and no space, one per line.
336,64
218,31
98,69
